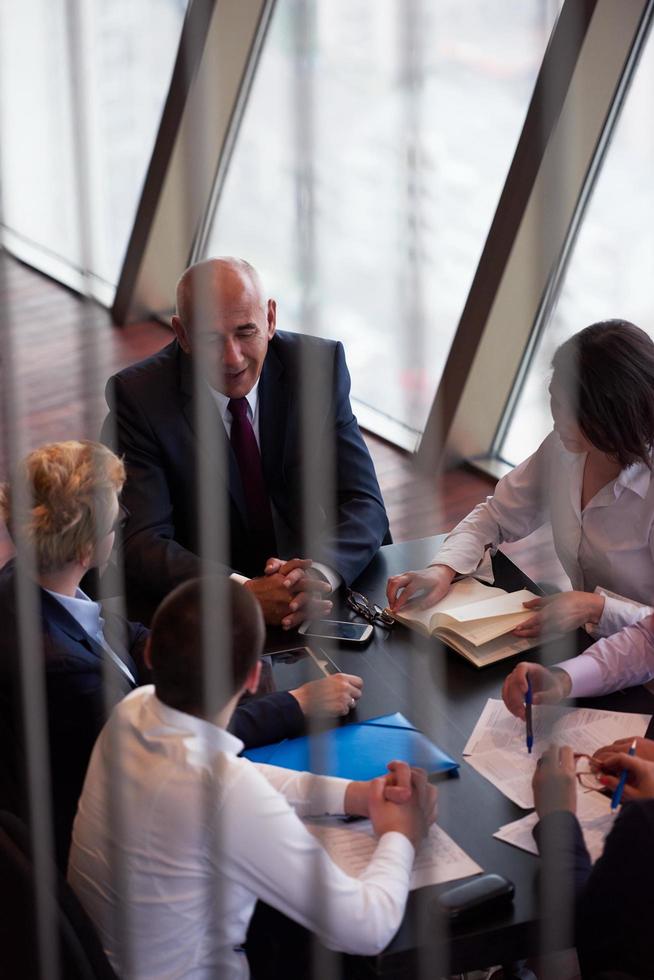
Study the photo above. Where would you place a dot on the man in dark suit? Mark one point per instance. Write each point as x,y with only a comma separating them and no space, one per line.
232,376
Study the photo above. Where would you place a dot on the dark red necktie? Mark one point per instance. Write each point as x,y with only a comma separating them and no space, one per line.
257,501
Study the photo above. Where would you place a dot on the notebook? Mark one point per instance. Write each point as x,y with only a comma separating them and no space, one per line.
475,620
358,751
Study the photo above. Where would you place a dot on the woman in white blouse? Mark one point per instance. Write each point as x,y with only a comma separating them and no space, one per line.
591,479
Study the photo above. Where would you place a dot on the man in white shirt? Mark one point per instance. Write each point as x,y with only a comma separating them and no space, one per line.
203,834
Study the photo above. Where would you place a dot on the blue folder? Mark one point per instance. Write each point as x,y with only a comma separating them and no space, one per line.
358,751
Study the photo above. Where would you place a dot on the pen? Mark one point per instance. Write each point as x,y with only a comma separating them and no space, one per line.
528,716
616,799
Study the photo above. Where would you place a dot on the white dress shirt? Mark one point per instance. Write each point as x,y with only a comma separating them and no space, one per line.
607,548
222,401
86,612
203,835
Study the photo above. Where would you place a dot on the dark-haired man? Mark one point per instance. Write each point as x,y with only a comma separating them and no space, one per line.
230,367
204,833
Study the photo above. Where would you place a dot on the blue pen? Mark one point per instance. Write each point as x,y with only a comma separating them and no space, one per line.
616,799
529,697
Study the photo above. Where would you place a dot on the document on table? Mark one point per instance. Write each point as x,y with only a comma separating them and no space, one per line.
595,818
351,847
497,750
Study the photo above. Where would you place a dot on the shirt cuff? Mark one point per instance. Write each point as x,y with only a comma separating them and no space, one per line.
618,612
481,569
399,846
329,574
241,579
585,674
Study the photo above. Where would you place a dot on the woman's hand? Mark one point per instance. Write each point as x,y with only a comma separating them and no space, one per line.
644,748
640,775
561,613
429,584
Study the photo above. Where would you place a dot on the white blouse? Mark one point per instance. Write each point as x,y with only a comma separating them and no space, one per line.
607,548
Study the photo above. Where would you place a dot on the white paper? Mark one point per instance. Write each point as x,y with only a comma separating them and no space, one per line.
498,751
351,846
595,818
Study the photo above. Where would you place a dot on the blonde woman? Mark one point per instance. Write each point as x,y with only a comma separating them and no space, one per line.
91,657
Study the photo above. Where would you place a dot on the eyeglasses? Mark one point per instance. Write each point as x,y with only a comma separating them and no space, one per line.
121,520
369,610
588,778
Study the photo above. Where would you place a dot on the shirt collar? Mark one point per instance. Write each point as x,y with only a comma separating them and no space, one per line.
211,735
84,611
222,401
636,477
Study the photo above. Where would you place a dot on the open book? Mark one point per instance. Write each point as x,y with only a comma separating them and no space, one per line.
476,621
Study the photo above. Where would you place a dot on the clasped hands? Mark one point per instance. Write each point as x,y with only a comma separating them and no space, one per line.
290,592
402,801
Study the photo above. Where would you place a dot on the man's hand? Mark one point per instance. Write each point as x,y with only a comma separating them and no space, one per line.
331,696
433,583
547,687
644,749
412,818
294,569
561,613
400,783
640,775
288,599
554,782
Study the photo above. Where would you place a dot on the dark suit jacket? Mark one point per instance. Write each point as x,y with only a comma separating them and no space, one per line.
615,910
152,422
78,697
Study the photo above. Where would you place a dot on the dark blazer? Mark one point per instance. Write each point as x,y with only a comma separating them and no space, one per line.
79,695
152,422
615,910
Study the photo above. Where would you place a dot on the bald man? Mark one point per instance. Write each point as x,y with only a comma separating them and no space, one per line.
231,368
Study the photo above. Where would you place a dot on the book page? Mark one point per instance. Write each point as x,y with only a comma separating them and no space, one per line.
504,646
497,747
491,606
351,846
462,593
479,632
595,819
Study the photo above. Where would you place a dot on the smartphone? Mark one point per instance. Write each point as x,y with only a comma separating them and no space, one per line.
332,629
298,665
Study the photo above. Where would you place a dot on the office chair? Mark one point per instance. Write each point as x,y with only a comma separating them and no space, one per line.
81,956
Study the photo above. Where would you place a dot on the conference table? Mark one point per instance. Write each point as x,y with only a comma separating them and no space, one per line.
443,695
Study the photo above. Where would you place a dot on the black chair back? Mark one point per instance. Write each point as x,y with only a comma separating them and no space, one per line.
81,956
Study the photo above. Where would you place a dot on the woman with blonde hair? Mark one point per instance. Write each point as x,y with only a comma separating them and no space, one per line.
62,512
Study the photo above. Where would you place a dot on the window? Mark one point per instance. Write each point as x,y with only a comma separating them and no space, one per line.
609,273
366,174
126,52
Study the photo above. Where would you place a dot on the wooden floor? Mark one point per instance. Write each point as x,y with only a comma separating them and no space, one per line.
57,350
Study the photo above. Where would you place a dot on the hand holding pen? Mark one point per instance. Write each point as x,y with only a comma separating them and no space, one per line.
638,781
616,799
